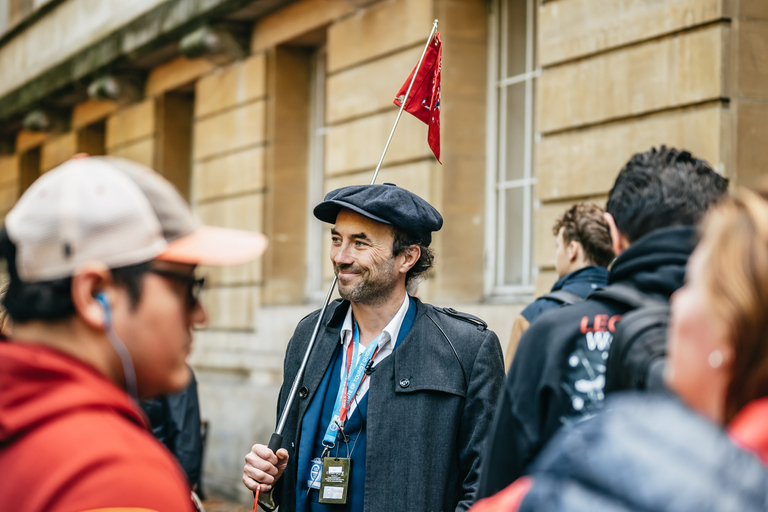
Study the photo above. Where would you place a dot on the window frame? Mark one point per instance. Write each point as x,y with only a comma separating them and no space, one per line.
316,175
496,186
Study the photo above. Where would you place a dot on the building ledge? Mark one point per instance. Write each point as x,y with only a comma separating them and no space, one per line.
145,41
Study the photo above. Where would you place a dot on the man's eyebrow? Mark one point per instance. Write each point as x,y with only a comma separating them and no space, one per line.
360,235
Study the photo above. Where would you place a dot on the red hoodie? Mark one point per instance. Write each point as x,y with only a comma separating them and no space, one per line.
70,440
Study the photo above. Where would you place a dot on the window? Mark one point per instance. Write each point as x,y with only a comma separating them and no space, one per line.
90,138
29,168
174,118
317,130
294,171
511,183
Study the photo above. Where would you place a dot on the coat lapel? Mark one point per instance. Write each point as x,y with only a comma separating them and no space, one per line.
325,345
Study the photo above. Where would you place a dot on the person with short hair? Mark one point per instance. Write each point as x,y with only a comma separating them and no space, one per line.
661,452
397,397
558,373
582,254
102,300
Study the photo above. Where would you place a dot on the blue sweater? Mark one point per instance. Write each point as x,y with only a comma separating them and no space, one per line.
582,282
313,428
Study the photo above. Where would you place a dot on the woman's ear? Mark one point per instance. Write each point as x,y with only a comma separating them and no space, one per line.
88,283
728,355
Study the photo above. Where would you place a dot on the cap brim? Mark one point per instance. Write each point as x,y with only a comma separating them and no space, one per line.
327,211
210,245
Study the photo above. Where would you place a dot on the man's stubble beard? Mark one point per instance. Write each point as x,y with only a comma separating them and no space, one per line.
375,287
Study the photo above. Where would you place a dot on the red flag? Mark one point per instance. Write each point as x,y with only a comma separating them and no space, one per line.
424,100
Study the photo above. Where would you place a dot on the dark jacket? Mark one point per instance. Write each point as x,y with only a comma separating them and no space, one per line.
558,373
646,452
175,421
581,282
430,405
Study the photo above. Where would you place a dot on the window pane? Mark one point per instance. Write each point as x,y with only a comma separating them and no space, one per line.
512,246
515,133
513,236
516,36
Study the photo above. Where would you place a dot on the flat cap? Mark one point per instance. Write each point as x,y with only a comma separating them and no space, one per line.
388,204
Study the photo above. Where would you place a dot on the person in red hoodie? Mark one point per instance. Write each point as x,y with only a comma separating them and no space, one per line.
102,299
706,449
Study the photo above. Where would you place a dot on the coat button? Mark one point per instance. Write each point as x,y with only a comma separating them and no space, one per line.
303,392
404,383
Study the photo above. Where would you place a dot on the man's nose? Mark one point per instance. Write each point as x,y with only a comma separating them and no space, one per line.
341,255
198,315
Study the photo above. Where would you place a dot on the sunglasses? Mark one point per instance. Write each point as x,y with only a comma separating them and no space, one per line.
194,284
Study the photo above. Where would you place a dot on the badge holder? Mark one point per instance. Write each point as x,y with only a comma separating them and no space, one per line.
335,475
334,482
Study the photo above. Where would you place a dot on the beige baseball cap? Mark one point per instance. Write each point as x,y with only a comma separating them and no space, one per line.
116,212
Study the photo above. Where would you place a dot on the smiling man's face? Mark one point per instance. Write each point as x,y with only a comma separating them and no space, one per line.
361,253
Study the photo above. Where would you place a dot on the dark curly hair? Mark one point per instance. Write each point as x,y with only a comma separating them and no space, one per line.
662,188
403,240
584,223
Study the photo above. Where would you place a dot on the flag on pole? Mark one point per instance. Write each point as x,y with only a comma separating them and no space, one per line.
424,100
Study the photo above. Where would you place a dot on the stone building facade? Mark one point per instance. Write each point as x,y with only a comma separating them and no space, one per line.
256,108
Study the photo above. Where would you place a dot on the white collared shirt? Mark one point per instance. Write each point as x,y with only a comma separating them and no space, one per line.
387,345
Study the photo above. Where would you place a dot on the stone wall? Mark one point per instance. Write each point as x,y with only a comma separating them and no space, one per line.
618,78
9,182
236,363
747,82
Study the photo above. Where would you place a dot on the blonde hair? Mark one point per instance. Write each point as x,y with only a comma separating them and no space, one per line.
735,238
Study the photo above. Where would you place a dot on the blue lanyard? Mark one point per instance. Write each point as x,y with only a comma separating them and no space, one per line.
352,378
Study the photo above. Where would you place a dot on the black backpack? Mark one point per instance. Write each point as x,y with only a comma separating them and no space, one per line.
563,297
637,355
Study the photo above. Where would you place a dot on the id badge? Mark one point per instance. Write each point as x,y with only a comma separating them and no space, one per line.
314,473
334,480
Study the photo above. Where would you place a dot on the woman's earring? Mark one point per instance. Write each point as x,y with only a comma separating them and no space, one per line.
716,359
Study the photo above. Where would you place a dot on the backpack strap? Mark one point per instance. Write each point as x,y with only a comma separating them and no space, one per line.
563,297
637,354
626,295
472,319
468,318
639,343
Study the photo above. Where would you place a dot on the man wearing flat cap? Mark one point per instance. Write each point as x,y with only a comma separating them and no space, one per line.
397,397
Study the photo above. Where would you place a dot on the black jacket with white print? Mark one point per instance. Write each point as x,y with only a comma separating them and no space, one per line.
558,373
